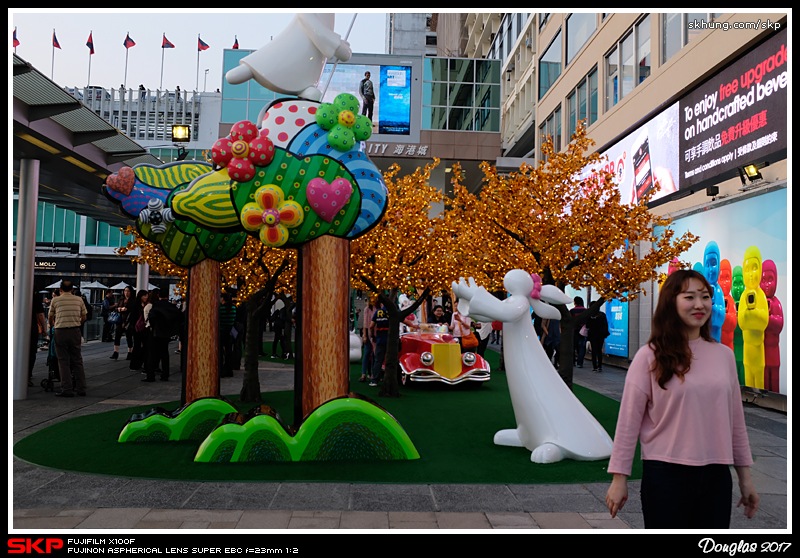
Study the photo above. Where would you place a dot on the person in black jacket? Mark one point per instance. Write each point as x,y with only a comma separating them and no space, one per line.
278,321
165,322
598,331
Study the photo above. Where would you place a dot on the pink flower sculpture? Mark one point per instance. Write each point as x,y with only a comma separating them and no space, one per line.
271,215
536,293
243,150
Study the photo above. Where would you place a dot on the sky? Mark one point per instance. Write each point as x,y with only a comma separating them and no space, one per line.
70,64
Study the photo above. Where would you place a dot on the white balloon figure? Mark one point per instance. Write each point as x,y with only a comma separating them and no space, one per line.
292,64
551,422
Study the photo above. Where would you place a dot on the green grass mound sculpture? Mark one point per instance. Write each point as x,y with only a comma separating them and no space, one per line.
193,421
345,428
351,427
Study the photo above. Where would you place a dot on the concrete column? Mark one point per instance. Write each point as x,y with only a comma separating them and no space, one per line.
142,276
23,272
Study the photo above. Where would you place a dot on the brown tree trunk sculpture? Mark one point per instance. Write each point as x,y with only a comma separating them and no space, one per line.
202,361
325,335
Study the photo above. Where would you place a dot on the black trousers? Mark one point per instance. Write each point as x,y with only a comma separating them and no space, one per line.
685,496
157,353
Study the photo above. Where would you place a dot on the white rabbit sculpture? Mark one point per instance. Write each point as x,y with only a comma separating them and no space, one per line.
292,64
551,422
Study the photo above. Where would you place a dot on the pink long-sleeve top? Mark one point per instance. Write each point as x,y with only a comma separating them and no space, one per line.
699,421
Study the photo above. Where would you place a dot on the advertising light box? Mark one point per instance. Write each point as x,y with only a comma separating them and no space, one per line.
395,82
732,119
646,155
737,116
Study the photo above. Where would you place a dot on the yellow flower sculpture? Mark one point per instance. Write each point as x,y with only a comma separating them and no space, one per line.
272,215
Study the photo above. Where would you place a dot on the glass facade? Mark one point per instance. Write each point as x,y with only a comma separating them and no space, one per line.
54,224
461,94
245,100
168,155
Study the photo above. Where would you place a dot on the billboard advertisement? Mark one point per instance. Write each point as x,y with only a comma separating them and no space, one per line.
735,118
392,87
647,155
617,316
754,226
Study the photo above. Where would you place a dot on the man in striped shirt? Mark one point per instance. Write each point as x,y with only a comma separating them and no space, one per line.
67,313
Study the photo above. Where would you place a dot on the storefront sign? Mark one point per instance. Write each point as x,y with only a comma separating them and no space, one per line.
736,117
57,264
733,119
397,150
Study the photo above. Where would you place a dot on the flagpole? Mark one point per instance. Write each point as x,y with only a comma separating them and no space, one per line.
53,62
197,83
161,84
125,81
89,77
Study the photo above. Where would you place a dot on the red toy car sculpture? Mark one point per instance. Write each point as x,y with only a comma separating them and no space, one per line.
433,355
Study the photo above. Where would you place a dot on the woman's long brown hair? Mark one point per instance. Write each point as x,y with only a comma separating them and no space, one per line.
668,339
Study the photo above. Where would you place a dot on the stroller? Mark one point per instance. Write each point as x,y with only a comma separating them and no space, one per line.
52,365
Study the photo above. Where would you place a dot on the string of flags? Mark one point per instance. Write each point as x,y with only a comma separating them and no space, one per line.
127,43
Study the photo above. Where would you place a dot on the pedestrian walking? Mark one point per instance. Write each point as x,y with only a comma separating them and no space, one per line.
67,313
682,402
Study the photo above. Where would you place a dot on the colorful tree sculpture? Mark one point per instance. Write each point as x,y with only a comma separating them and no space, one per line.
288,198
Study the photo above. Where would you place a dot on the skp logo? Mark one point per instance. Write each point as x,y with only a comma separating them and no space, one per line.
29,546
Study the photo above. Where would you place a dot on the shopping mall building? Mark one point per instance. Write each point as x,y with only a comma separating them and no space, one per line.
692,100
689,100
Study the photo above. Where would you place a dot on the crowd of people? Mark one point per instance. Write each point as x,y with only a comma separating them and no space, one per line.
685,484
475,337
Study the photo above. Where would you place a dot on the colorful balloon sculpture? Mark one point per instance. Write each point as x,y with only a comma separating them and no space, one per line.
303,175
737,288
729,325
753,319
551,422
711,261
772,353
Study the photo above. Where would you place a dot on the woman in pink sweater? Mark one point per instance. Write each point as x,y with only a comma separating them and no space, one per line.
682,401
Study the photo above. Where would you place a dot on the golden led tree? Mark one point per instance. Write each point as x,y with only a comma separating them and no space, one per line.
570,230
152,255
406,251
258,272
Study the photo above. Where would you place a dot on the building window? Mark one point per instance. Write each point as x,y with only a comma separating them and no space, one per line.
643,58
542,20
551,129
580,27
676,32
582,102
461,94
628,63
612,78
550,65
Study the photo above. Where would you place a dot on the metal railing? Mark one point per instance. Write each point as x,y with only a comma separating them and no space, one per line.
142,114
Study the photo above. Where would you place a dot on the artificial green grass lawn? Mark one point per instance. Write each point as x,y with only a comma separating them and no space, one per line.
452,428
